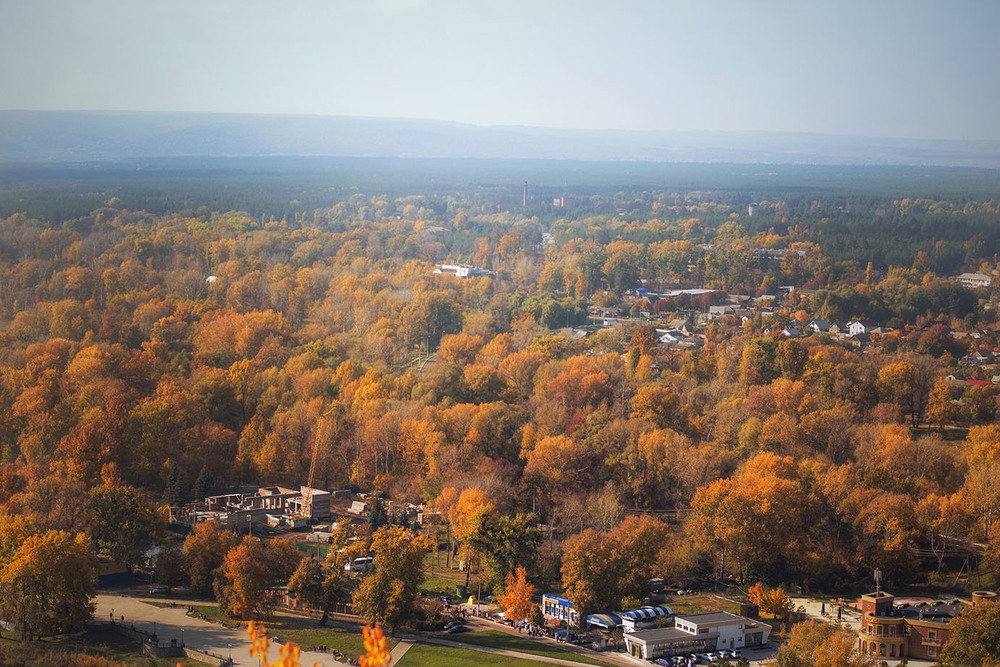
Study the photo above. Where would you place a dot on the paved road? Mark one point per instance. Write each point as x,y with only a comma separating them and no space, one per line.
613,658
400,650
174,623
500,651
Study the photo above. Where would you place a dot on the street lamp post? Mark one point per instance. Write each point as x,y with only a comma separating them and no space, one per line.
182,637
230,653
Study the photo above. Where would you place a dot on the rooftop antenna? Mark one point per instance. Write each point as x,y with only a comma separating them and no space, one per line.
524,199
878,582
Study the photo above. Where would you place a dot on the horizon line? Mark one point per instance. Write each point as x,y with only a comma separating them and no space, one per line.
271,114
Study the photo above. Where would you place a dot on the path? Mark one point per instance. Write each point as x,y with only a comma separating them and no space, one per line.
500,651
173,623
400,649
611,657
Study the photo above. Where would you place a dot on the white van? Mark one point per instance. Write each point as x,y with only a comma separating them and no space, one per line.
359,564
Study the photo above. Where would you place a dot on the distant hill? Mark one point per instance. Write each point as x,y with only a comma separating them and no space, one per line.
82,136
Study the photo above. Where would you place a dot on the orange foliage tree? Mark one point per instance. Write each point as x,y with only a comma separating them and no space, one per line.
516,599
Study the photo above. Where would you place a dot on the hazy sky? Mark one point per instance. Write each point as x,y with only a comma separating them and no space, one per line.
894,68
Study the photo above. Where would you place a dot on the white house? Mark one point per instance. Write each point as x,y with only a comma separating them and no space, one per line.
818,326
974,279
855,327
461,270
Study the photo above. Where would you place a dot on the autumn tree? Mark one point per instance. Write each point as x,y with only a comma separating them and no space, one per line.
205,552
599,569
48,584
908,383
774,601
387,594
589,572
756,517
516,598
306,583
169,567
658,404
812,644
505,543
462,517
122,522
558,462
250,574
975,637
758,362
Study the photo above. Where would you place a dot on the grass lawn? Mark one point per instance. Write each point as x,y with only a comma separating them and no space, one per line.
428,655
699,603
497,639
306,633
311,547
441,578
211,612
63,648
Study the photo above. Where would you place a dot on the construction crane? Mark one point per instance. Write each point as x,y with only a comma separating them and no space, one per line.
318,452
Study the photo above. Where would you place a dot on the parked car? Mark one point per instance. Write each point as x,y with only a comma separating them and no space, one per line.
159,590
453,624
458,628
715,657
359,564
663,661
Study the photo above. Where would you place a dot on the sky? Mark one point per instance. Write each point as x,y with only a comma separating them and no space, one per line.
916,69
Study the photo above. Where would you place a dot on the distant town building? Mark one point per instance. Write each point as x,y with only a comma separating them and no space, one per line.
461,270
856,327
974,280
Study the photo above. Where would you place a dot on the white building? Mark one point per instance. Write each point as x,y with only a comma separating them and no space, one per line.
461,270
732,631
856,327
698,633
974,280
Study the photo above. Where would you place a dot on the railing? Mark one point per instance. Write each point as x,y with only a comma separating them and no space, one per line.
871,633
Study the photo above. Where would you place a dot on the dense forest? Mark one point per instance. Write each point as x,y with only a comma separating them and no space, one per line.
169,351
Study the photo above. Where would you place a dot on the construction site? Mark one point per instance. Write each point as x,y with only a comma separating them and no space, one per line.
273,506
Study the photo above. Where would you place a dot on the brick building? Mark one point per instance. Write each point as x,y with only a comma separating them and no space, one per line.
890,630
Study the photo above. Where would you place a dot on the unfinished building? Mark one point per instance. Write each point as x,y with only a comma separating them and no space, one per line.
275,506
